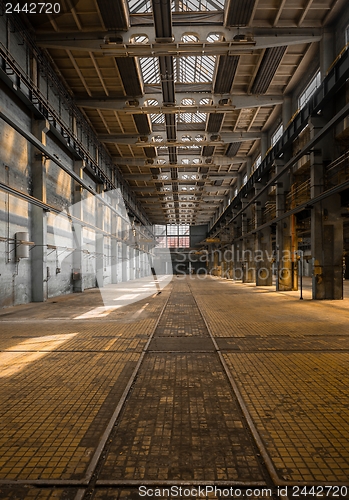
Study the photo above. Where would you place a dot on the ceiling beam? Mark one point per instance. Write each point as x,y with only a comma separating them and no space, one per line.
134,106
124,37
209,139
175,48
279,12
216,160
214,176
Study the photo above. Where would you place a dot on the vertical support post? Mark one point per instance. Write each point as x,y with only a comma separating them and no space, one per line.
39,273
327,51
114,241
263,245
100,239
285,278
264,144
78,284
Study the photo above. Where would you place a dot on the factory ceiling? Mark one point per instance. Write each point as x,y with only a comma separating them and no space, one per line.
180,91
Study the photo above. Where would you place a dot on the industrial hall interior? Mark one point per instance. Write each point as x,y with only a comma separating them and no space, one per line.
174,249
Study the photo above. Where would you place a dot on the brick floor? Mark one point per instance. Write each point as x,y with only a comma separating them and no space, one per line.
62,378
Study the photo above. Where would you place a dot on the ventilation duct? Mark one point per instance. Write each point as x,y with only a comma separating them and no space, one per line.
232,149
130,77
267,69
142,124
239,12
214,122
114,14
225,74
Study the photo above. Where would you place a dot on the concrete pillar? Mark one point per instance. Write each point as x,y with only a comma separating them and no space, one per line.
327,249
248,166
327,51
119,261
78,281
263,245
237,263
100,238
286,111
38,253
132,259
247,248
239,181
125,262
326,232
114,242
114,260
264,144
286,278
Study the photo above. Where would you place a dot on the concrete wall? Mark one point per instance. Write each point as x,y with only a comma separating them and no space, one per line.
24,169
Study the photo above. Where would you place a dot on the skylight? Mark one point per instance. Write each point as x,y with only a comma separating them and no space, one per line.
157,118
138,6
194,69
150,69
144,6
197,5
191,118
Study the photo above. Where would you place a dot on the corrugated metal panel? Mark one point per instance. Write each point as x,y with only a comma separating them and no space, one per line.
187,127
114,14
214,122
170,121
267,69
208,150
232,149
225,74
150,152
172,154
239,12
142,124
162,18
128,70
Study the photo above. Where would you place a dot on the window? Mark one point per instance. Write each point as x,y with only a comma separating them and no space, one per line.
257,162
172,235
310,90
244,180
277,135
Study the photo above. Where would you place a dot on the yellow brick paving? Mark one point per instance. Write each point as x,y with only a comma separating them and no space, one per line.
32,493
300,404
48,407
116,494
60,384
299,401
237,310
